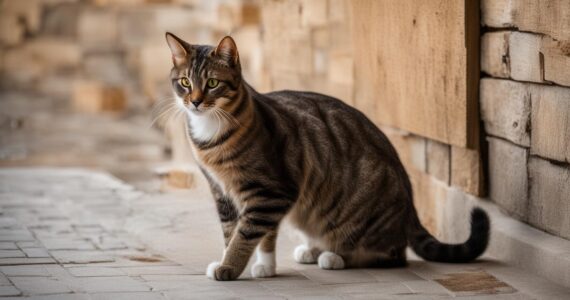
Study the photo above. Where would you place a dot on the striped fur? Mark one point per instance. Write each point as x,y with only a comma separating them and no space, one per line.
304,156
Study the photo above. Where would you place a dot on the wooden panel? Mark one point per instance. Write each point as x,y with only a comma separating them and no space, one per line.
416,66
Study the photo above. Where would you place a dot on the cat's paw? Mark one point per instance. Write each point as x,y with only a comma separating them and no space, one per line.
305,255
330,261
220,272
259,270
210,271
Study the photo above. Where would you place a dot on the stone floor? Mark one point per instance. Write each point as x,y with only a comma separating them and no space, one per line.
68,233
77,234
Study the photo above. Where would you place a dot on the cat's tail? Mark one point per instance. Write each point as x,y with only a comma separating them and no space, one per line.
429,248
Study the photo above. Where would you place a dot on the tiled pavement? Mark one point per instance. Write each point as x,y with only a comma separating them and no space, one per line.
73,234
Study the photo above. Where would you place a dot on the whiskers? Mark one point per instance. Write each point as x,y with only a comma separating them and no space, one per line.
166,111
226,116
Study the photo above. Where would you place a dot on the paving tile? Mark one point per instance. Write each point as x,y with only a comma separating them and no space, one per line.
36,252
16,237
338,276
474,283
4,280
26,261
8,290
67,244
278,285
393,275
59,297
108,284
167,277
160,270
93,271
425,287
8,246
80,257
247,288
40,285
25,270
128,296
192,294
11,253
29,244
391,288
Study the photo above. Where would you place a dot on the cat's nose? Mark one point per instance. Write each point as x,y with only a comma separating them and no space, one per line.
196,103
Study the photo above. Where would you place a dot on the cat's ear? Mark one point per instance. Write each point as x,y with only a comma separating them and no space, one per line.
227,50
178,49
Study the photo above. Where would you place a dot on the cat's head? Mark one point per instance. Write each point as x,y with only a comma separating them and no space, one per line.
204,77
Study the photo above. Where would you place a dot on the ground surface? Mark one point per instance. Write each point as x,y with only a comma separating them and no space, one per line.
81,234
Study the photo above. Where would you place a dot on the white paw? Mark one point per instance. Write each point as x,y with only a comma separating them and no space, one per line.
259,270
330,261
210,272
304,255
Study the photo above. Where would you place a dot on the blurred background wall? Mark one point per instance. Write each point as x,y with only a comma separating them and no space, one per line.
110,56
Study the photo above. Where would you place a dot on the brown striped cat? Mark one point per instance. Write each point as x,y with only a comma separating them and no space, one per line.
304,156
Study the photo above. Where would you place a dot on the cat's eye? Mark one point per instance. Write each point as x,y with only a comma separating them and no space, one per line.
185,82
212,83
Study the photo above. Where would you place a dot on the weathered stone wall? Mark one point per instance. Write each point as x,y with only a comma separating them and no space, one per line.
525,106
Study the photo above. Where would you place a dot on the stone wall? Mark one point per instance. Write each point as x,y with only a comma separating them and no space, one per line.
64,48
525,106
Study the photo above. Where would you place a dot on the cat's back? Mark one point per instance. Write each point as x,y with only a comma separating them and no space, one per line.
325,120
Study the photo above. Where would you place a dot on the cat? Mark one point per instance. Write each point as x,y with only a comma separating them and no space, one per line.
303,156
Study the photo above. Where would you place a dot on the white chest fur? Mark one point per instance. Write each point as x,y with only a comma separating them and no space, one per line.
205,127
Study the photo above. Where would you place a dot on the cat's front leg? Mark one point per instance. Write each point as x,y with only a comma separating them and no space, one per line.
228,217
260,218
265,264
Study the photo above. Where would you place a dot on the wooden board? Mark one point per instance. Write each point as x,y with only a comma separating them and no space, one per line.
416,66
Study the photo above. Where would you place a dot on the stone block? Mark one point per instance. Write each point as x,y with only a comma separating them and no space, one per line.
108,67
438,160
154,66
529,16
550,132
524,54
495,54
7,291
314,13
235,14
496,13
11,31
56,85
28,13
508,180
411,148
505,109
98,29
61,20
467,170
556,56
50,53
136,26
38,57
96,97
176,178
549,200
250,48
40,285
429,199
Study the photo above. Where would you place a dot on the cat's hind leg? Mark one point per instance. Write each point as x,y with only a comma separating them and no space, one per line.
305,254
331,261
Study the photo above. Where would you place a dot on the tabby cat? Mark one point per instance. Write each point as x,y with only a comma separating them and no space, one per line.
304,156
